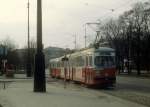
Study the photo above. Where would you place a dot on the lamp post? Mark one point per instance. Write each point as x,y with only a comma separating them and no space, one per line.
39,73
28,50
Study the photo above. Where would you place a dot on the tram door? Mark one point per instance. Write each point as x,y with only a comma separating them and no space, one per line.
88,70
72,69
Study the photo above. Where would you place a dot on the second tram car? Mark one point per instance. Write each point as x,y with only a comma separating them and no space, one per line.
93,67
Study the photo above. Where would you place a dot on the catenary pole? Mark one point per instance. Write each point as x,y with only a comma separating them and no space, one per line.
28,50
85,36
39,73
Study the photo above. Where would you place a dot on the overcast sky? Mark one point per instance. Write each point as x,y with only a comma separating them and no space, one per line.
61,19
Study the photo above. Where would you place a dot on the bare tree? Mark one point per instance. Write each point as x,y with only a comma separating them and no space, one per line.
130,35
9,43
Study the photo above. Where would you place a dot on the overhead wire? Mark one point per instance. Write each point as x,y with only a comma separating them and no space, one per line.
123,5
129,2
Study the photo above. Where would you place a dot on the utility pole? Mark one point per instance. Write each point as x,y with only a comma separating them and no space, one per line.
28,50
129,47
75,42
85,36
39,73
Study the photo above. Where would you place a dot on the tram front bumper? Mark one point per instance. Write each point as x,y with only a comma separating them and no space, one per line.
104,80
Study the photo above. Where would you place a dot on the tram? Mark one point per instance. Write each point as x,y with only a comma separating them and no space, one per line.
92,67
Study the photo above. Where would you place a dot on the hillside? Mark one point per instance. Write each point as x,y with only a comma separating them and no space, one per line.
19,56
53,52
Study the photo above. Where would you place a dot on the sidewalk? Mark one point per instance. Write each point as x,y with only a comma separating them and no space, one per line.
20,94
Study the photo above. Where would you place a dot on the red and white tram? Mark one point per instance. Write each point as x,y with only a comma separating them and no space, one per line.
93,67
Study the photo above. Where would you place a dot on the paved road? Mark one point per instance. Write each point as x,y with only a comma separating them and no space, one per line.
133,89
20,94
128,88
133,83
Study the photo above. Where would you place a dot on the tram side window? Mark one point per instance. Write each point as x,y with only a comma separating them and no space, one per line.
77,61
58,64
74,62
86,60
90,60
70,62
50,65
55,65
80,61
62,64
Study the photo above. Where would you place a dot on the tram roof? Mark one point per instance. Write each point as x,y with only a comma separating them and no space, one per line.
98,49
82,51
104,49
90,50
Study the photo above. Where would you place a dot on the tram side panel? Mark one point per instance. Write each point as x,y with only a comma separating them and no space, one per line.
87,73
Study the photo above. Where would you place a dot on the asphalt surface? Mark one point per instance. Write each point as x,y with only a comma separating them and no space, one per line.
134,89
129,92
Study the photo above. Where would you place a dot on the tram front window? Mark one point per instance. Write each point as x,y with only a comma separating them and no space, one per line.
104,61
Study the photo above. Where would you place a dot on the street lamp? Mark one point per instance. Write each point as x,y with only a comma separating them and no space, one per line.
39,73
28,50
